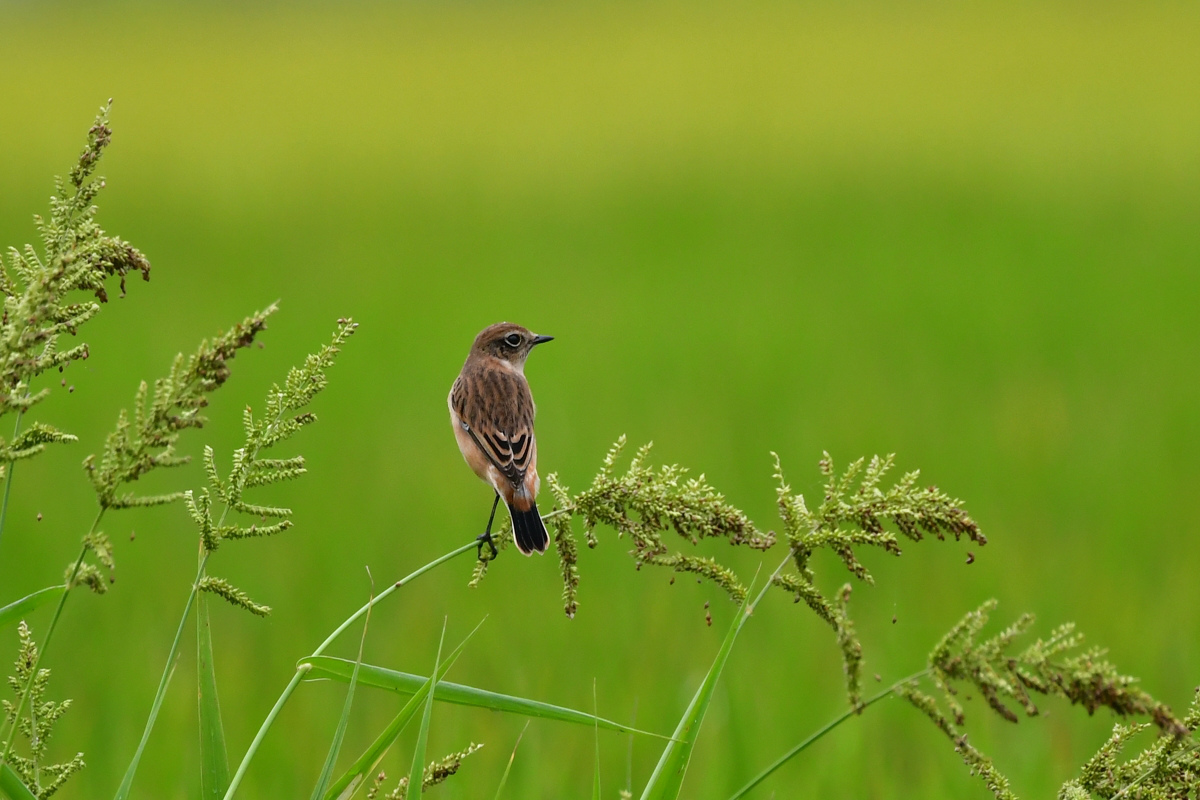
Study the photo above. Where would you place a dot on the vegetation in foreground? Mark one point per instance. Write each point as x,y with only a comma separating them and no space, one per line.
647,505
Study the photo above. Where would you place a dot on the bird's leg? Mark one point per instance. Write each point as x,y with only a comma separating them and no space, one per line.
486,536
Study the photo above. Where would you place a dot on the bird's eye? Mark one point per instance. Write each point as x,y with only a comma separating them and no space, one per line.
513,340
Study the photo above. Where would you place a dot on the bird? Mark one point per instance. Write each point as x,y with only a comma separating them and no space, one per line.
492,411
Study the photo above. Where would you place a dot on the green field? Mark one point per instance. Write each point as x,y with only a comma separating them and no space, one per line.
965,234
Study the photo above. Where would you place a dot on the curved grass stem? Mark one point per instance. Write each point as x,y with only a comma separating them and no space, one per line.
820,732
236,781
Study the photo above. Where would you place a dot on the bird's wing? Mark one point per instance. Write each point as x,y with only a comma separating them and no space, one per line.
499,418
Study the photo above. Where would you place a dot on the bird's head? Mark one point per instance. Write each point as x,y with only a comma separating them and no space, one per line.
508,342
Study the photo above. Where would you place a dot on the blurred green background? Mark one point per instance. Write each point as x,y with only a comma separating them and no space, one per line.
966,234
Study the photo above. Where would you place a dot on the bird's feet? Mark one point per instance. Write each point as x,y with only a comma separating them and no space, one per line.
486,538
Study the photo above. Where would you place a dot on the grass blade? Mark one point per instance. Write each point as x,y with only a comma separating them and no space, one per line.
405,683
667,779
595,712
214,758
511,759
301,669
20,608
11,786
348,785
335,746
416,775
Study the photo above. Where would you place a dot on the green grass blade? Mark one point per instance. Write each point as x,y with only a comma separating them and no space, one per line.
335,746
511,759
667,779
20,608
263,729
596,773
11,786
416,775
405,683
214,758
348,785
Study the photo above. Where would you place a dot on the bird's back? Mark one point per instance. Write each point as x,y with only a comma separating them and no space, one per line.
490,392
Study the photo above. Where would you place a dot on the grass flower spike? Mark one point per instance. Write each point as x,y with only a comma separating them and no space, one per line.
42,778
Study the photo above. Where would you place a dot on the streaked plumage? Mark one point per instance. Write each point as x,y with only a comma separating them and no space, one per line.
492,411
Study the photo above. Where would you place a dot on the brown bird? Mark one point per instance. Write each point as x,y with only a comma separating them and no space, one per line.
492,412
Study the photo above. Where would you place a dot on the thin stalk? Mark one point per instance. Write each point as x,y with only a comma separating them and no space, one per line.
850,712
33,747
214,755
437,562
168,671
62,601
511,759
629,753
262,731
8,473
213,752
304,668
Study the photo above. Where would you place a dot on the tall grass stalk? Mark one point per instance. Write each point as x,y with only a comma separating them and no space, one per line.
596,736
335,746
820,732
416,774
8,473
356,776
168,672
236,781
512,757
214,758
666,781
214,755
58,610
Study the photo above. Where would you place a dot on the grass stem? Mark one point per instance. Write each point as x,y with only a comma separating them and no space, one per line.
168,672
845,715
303,668
8,475
403,581
62,601
262,731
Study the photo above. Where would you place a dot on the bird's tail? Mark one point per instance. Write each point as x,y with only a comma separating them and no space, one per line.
528,530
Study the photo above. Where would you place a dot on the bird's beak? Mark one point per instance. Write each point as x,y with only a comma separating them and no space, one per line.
541,339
